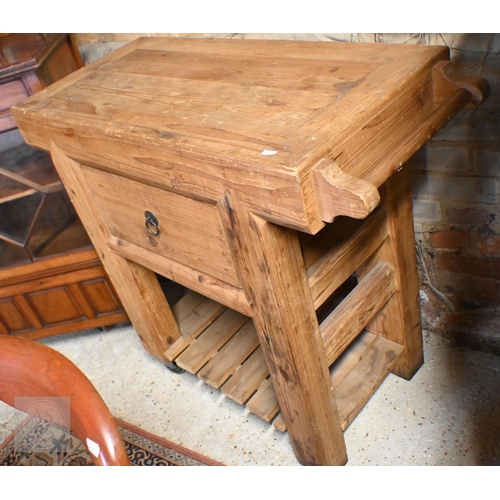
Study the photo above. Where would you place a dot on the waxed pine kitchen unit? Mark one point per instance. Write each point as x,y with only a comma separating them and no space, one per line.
263,176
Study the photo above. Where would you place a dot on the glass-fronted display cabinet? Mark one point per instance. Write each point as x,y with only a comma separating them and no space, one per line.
51,280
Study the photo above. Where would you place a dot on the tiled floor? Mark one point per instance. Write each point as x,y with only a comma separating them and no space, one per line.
449,414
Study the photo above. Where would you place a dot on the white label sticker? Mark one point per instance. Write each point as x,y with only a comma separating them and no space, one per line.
93,447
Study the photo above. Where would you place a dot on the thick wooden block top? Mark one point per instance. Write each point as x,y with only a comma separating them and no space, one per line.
202,116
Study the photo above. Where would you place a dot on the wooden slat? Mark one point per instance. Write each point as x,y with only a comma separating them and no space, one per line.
357,309
341,368
247,378
315,246
351,357
211,340
243,374
360,384
279,423
187,305
344,257
219,350
399,320
202,316
192,324
264,403
357,375
230,357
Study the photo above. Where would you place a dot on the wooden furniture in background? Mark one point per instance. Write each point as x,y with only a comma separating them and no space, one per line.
40,381
51,279
266,177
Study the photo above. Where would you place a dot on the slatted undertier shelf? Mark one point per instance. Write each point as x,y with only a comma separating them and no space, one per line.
221,347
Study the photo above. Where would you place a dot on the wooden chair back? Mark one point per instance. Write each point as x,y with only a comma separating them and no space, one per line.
30,369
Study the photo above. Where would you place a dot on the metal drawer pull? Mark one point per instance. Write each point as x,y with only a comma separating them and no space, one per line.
152,223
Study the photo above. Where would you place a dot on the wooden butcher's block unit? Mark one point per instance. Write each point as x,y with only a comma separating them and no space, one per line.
268,178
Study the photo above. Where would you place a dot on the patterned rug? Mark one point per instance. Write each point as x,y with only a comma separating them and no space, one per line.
42,443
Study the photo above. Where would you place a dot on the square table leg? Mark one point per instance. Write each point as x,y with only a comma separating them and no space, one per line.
137,286
272,272
400,319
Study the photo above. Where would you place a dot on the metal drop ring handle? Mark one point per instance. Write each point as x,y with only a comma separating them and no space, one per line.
152,223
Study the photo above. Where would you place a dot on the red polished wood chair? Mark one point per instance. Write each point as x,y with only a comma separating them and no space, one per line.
29,369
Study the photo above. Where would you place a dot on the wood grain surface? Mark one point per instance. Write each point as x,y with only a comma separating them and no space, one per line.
201,115
236,145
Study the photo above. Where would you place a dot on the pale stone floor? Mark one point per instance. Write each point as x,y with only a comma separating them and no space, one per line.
448,414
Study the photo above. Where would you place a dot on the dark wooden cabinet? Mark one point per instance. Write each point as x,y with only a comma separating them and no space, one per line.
51,279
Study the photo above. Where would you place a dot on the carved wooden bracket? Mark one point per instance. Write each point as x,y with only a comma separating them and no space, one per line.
341,194
447,81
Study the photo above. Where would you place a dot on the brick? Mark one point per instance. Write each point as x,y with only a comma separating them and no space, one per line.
426,211
489,245
447,159
465,218
449,239
480,124
485,267
485,162
467,289
471,189
457,129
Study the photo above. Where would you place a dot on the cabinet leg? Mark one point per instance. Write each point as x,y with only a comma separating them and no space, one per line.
272,271
400,319
136,286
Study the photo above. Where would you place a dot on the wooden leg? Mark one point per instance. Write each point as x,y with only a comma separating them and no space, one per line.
400,319
137,287
272,271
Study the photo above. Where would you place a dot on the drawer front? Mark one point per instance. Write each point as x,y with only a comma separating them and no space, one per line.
189,231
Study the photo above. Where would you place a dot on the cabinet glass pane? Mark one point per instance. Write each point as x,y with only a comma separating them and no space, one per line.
37,218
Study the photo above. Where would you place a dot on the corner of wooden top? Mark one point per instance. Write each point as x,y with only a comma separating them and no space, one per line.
448,80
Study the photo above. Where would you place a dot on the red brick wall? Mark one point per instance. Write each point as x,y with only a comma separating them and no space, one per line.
457,210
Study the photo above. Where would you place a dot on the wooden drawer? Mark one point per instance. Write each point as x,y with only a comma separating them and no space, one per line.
190,231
